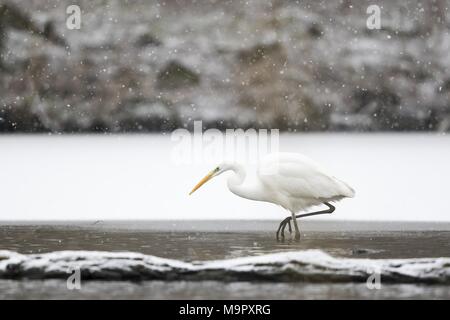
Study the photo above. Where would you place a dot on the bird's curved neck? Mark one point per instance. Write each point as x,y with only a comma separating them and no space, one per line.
239,175
236,183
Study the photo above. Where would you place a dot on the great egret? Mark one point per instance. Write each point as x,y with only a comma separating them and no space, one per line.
290,180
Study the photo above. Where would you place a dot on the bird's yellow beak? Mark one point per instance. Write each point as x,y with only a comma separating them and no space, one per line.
203,181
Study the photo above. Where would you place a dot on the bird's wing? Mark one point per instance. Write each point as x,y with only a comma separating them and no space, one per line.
297,176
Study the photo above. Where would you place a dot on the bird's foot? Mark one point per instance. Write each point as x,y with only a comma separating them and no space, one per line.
282,227
297,236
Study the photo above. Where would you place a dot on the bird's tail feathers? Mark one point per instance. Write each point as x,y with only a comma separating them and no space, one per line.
347,191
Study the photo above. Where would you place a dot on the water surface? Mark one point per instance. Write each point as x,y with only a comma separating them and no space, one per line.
211,240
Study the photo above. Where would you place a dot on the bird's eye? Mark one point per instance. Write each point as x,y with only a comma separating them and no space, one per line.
216,169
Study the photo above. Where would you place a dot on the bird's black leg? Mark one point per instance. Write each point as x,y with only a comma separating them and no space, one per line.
330,209
297,230
278,231
282,226
286,221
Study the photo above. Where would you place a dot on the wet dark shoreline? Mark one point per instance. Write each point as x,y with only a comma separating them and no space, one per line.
174,239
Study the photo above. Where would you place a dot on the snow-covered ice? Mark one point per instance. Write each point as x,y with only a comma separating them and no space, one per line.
396,177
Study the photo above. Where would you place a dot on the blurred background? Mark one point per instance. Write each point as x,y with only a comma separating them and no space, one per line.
154,66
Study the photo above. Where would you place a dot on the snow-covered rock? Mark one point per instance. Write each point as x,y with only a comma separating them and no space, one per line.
308,266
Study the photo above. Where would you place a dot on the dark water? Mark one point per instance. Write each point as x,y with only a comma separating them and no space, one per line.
56,289
207,240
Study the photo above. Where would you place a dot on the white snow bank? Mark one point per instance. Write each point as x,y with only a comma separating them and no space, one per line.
310,265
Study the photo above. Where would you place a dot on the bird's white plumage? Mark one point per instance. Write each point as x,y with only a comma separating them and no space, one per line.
296,182
290,180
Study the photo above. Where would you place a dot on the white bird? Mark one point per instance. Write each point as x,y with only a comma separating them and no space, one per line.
290,180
